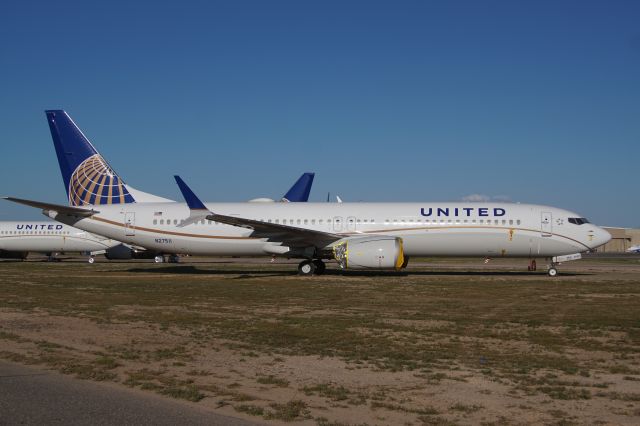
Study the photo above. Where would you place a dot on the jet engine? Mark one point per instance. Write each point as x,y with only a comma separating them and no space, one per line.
124,252
373,252
119,252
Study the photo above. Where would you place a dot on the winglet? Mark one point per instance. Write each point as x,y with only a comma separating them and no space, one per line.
197,209
191,199
299,192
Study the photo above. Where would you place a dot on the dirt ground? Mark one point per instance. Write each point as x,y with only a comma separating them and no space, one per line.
451,341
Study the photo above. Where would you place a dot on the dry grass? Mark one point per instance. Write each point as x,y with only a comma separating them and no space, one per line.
564,339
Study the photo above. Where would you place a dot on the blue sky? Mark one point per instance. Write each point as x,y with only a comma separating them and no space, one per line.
386,101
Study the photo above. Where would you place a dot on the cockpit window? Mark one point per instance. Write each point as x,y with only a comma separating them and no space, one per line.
578,220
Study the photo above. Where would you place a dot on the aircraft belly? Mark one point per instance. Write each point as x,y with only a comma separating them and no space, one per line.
557,246
493,242
198,245
38,244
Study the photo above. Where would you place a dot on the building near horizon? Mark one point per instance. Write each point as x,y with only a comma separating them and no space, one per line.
621,240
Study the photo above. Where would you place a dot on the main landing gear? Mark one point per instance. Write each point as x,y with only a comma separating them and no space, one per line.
311,267
172,258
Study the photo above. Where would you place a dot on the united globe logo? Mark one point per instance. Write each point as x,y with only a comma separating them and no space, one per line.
94,182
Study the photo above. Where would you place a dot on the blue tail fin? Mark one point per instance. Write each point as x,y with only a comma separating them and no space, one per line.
190,197
300,190
88,178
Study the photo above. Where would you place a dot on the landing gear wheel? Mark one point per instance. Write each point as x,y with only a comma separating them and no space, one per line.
91,260
320,266
174,259
552,272
306,267
158,259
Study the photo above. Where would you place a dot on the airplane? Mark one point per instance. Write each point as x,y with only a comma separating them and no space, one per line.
633,249
17,239
370,236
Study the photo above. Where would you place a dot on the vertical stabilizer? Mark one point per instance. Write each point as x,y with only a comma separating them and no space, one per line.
300,190
88,178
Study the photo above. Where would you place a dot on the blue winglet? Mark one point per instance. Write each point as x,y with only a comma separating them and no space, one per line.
300,190
192,200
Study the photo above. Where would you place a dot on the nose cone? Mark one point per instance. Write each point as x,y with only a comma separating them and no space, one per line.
600,238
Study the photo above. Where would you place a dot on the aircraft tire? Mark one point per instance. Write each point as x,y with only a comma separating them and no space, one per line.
320,266
552,272
306,268
158,259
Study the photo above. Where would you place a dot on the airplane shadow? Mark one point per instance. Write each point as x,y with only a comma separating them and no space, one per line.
192,270
248,273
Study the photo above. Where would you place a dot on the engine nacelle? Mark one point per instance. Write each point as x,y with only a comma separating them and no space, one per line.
119,252
124,252
374,252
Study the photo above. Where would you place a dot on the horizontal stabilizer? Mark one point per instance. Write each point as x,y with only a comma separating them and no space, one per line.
61,209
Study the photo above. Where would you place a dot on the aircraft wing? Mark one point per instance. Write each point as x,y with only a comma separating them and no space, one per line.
275,232
66,210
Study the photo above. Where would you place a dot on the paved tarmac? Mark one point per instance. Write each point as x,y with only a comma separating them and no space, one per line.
29,396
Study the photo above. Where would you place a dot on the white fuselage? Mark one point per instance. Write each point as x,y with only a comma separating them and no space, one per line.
427,229
49,237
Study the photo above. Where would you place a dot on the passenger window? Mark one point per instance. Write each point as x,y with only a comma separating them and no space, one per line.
518,221
298,221
161,221
306,221
155,221
510,221
313,221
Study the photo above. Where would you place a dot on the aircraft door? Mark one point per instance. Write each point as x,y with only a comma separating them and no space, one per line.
337,224
129,224
546,224
351,223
